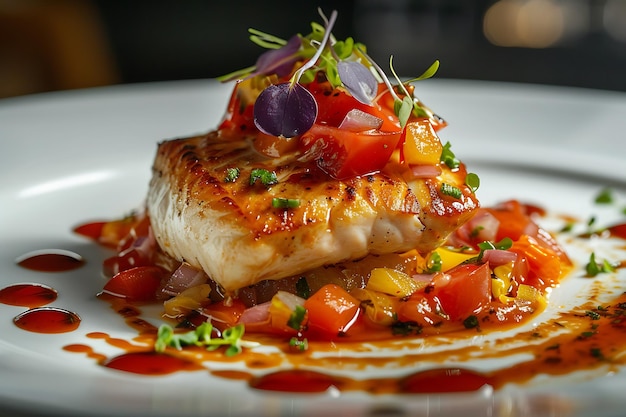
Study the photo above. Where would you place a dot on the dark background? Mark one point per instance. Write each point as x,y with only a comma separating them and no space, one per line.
65,44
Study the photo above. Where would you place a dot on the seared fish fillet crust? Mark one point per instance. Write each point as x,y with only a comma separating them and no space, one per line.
231,230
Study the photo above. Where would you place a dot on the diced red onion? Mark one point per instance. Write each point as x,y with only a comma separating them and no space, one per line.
497,257
421,278
260,313
359,121
425,171
184,277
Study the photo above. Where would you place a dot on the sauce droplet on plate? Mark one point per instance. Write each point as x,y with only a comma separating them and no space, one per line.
51,260
47,320
27,295
150,363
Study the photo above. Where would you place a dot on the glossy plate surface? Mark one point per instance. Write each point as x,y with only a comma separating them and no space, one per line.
68,158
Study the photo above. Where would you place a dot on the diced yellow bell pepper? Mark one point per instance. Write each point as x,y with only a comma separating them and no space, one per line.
379,308
187,301
451,258
421,146
532,295
501,282
392,282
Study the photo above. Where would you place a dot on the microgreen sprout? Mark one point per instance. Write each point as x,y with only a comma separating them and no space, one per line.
287,109
203,336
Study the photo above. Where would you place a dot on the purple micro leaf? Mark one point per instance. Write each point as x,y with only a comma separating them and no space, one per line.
285,110
279,61
359,81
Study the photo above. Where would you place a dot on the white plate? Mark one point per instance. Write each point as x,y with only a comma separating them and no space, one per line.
66,158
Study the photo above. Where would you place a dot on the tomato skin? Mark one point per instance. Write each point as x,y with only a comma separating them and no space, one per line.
460,293
468,291
136,284
343,154
224,316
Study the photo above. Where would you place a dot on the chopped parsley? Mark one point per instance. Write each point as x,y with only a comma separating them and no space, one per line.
232,174
266,177
471,322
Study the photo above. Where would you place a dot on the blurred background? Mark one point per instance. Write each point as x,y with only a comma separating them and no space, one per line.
49,45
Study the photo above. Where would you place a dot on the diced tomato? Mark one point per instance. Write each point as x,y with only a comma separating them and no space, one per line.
460,293
544,264
224,315
91,230
331,309
513,220
240,110
343,154
136,284
127,259
467,292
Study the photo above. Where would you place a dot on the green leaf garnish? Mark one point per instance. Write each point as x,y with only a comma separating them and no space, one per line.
448,157
594,268
472,181
604,197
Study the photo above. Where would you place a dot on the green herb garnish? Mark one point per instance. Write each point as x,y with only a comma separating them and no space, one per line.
297,318
594,268
434,263
231,174
604,197
471,322
448,157
285,203
472,181
203,336
266,177
451,190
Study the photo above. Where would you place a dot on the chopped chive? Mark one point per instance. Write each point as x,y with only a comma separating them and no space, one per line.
451,190
285,203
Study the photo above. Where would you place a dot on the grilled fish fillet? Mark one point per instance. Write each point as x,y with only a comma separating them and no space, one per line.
232,232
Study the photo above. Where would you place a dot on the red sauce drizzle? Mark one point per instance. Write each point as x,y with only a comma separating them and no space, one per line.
51,260
150,363
27,295
47,320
